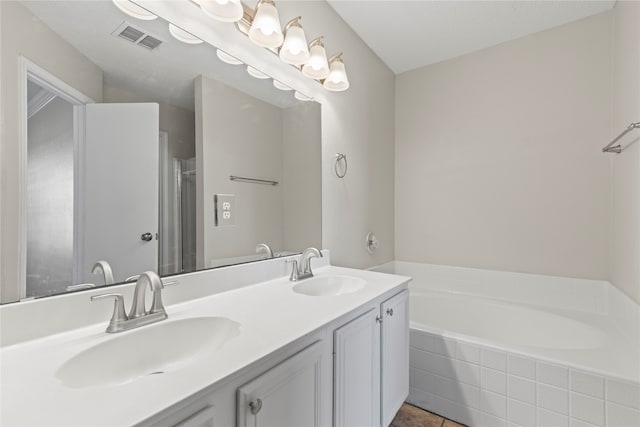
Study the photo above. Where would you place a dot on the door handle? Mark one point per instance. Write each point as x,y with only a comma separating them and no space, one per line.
147,237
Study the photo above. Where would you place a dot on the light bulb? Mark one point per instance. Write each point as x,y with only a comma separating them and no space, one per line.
317,66
337,80
225,57
223,10
256,73
302,97
280,85
265,29
183,36
134,10
294,50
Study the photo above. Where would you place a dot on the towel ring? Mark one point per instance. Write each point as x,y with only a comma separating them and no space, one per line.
339,157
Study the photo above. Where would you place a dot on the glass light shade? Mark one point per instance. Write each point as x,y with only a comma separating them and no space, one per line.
222,10
294,50
280,85
256,73
302,97
317,66
182,35
265,29
225,57
134,10
337,80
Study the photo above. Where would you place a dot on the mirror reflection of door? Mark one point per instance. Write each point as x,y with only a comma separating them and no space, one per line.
120,189
80,167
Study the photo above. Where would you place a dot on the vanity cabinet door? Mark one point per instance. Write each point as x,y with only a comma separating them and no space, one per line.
395,355
288,395
202,418
357,372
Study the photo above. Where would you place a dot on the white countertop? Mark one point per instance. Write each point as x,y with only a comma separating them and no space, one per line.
271,316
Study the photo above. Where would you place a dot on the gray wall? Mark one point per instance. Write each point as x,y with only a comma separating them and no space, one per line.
301,183
498,161
625,254
236,134
22,34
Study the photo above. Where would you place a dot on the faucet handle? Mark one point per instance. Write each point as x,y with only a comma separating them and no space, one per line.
156,303
294,269
119,315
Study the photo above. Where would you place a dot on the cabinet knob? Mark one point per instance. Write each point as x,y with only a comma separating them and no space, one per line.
379,319
147,237
255,406
390,311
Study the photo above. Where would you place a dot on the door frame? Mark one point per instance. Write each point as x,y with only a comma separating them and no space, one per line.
28,70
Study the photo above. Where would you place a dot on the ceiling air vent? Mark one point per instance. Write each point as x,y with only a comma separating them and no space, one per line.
137,36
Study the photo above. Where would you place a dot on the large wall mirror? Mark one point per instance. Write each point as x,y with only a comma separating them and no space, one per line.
144,152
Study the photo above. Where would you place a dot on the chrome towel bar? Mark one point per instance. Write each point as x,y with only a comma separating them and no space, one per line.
252,180
618,148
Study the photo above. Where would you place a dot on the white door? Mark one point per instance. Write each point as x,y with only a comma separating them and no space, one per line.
288,395
356,393
395,355
118,196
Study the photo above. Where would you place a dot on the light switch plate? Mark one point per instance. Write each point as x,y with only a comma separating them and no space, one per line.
225,209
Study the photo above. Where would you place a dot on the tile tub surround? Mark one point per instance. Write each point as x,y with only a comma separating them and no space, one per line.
480,385
471,359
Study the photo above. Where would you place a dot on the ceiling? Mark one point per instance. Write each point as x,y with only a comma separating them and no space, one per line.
412,34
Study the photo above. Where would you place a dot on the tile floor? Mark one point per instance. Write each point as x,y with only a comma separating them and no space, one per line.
412,416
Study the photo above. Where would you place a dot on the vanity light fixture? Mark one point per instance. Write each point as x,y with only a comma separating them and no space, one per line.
222,10
294,49
225,57
302,97
280,85
256,73
265,28
134,10
316,67
183,36
337,80
262,26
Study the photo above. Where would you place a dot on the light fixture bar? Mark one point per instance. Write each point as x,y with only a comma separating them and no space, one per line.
330,73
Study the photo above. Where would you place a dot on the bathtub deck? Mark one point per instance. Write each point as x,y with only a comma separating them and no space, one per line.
412,416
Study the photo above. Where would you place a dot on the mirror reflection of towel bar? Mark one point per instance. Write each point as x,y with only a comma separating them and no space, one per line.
618,148
252,180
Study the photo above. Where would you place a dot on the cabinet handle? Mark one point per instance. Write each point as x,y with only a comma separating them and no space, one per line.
255,406
379,319
390,311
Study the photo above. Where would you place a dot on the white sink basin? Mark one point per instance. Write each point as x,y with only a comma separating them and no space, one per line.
327,286
150,350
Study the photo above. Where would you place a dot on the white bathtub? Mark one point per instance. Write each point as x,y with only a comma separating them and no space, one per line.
494,348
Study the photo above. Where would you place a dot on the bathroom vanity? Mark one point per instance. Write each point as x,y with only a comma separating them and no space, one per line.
329,350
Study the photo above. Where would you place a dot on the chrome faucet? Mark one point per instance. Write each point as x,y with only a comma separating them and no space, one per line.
301,269
103,267
151,279
263,247
138,315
